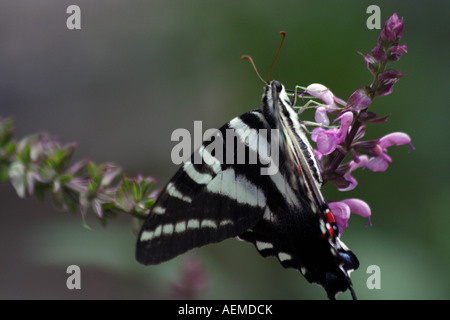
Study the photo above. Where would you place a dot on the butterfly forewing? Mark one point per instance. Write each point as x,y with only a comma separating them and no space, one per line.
209,201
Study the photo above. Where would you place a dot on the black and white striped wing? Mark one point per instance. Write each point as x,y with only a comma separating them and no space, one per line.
209,201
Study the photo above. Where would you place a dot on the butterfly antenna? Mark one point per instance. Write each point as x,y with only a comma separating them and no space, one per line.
254,67
283,33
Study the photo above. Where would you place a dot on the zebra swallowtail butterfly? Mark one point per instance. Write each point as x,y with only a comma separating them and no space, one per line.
284,214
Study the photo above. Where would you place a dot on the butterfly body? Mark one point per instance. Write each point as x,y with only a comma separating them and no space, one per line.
281,211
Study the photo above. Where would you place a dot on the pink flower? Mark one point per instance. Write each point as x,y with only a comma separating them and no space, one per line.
321,92
342,209
359,162
321,116
381,161
328,140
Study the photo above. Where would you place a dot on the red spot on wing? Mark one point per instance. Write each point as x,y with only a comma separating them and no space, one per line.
329,216
330,230
331,221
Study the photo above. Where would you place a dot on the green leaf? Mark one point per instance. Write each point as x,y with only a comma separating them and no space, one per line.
10,148
92,169
147,204
46,172
136,191
92,187
25,154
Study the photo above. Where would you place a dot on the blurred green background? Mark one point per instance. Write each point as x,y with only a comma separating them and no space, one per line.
137,70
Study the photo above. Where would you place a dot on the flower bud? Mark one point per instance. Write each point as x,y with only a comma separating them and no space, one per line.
392,31
359,100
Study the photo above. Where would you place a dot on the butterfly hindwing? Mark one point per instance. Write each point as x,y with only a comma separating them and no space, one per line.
295,241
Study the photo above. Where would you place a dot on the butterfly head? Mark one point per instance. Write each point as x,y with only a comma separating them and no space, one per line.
275,102
276,85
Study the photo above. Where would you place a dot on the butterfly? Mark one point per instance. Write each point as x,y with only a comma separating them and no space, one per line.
282,212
